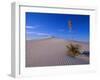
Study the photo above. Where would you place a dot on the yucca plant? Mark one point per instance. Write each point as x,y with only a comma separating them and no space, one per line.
73,50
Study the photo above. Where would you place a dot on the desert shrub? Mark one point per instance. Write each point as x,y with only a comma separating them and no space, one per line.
86,53
73,50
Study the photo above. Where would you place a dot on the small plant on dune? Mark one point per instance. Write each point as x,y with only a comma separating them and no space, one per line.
73,50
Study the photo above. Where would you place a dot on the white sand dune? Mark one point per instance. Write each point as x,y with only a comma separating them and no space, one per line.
52,52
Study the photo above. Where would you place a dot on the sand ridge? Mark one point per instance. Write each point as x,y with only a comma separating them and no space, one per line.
52,52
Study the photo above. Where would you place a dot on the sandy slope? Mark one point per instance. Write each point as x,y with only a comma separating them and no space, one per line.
51,52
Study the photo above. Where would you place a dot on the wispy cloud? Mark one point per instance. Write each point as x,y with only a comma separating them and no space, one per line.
39,33
42,34
32,27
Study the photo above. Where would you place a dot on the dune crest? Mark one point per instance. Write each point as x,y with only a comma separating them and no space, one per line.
52,52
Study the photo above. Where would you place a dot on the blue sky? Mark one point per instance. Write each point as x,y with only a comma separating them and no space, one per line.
42,25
